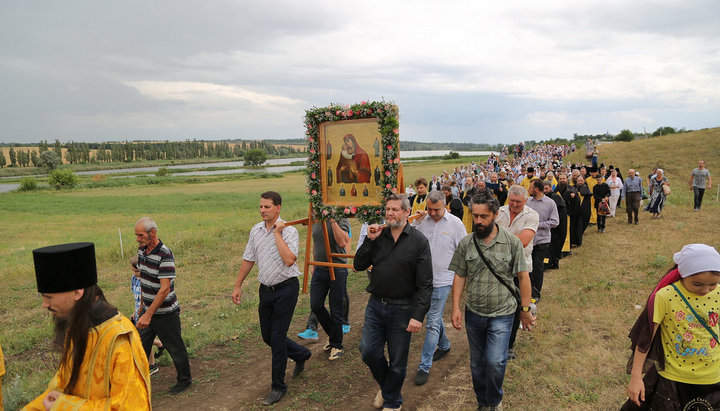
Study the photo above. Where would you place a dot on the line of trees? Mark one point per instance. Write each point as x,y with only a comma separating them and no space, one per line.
81,153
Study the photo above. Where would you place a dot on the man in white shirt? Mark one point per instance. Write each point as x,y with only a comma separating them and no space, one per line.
274,247
522,221
443,231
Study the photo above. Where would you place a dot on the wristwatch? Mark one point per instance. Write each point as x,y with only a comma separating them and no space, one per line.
525,308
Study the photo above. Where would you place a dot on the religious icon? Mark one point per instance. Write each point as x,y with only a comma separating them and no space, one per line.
354,163
351,169
376,145
328,151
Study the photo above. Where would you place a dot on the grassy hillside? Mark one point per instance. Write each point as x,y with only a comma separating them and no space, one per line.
574,359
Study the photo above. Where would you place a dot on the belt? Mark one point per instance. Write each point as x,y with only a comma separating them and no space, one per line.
277,286
386,300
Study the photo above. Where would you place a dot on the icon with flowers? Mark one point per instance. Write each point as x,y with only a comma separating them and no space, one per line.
388,125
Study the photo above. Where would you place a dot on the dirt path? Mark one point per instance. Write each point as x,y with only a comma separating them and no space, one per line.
232,378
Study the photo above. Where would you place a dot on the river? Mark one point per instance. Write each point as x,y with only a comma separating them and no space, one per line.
280,165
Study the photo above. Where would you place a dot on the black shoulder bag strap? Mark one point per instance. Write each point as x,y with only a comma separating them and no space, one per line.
512,290
700,319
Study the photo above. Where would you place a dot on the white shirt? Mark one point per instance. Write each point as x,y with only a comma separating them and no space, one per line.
526,219
262,250
443,236
615,184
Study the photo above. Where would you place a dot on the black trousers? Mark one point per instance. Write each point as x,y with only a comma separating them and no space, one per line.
557,240
276,308
167,327
601,219
698,194
312,321
539,253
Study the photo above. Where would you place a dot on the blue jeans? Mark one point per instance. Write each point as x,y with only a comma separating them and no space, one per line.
488,339
320,287
435,335
386,323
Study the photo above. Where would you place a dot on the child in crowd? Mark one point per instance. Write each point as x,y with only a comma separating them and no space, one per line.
137,293
675,339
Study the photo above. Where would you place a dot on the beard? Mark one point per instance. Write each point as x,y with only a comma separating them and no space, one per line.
61,327
483,231
396,223
562,187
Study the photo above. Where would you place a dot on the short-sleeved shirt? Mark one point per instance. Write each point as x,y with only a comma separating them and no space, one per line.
319,253
262,250
690,355
700,177
526,219
486,296
443,237
155,265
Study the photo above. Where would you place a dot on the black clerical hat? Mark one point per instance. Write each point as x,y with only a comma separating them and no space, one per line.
65,267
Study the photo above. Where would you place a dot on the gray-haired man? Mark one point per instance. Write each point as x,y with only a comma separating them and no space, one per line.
443,231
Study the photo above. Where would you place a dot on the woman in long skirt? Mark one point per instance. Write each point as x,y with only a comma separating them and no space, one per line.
657,193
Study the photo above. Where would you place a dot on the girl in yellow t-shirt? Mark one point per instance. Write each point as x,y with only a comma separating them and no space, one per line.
678,330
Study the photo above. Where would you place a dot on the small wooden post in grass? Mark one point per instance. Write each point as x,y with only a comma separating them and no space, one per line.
122,252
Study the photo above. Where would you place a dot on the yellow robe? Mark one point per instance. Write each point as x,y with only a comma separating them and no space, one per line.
591,182
467,219
418,206
114,374
525,182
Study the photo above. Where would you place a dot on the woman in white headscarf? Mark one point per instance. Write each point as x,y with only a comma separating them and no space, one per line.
675,339
657,193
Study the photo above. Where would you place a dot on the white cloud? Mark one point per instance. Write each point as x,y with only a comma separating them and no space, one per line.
206,94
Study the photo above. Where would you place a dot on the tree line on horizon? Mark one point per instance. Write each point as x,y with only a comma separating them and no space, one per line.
128,151
83,153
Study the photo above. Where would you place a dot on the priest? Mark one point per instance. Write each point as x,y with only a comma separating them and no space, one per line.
102,362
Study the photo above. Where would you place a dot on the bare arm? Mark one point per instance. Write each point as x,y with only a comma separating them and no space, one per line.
285,253
636,387
144,320
526,236
341,237
457,290
528,321
245,268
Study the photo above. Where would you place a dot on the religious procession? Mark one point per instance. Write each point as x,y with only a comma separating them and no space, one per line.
481,235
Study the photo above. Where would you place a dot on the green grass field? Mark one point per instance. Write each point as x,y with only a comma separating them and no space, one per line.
574,360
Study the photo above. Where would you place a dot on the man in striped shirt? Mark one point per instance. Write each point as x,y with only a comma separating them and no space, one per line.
274,247
161,311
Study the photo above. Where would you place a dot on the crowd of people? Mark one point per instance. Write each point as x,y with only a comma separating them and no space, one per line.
487,231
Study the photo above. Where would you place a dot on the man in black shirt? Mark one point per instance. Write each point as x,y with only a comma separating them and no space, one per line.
401,284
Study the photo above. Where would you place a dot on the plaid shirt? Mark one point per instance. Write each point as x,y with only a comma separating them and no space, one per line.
485,295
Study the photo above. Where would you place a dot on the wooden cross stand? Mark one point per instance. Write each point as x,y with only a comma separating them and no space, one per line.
309,221
329,263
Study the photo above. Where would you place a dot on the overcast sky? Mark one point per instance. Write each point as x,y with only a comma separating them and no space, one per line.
462,71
